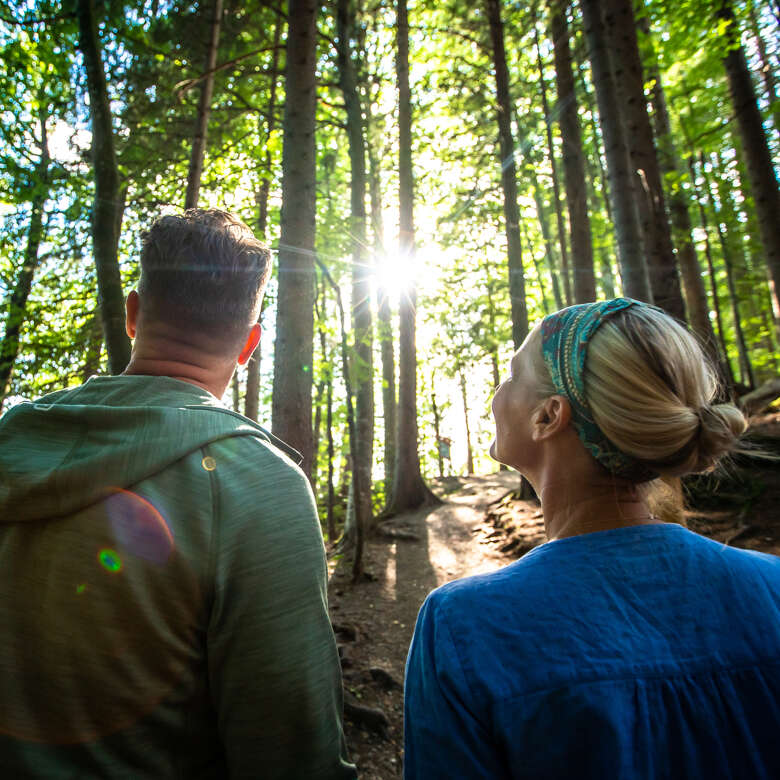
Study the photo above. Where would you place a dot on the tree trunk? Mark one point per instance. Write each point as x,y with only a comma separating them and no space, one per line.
630,252
573,158
409,489
767,71
361,272
695,293
331,502
384,327
469,451
93,346
758,159
325,371
204,111
651,208
107,196
436,430
508,176
554,169
252,398
726,364
17,302
293,351
746,368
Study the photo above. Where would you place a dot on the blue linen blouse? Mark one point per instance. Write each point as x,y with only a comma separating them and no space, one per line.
642,652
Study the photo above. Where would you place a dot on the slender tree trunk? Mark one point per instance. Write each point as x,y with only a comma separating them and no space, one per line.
17,301
508,175
555,178
651,208
573,158
105,207
204,111
630,251
746,368
293,351
469,451
726,363
325,370
93,346
252,398
436,430
767,71
409,489
361,271
384,315
758,158
542,216
236,392
331,520
695,293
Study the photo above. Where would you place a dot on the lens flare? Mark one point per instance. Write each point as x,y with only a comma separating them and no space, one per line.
110,560
138,527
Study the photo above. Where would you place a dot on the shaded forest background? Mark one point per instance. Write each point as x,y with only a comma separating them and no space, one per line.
432,179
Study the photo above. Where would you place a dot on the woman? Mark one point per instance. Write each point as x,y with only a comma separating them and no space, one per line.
624,647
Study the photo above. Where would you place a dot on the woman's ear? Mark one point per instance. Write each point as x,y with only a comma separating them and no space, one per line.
551,417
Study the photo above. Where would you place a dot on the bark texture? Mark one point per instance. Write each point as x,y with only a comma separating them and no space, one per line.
651,208
293,351
409,489
633,269
106,205
573,158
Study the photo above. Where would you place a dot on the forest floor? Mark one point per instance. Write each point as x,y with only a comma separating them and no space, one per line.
480,527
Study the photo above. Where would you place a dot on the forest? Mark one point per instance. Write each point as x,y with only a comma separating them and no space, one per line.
432,180
433,177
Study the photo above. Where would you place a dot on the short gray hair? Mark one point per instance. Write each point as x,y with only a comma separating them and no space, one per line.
203,268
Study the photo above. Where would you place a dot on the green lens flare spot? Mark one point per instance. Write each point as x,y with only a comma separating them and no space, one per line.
110,560
208,463
80,588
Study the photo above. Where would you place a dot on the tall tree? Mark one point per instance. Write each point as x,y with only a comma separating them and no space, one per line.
409,489
695,293
556,190
17,301
293,351
758,158
633,269
106,205
204,111
651,208
252,398
508,175
361,271
573,158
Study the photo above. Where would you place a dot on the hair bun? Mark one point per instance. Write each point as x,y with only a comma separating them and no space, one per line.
720,426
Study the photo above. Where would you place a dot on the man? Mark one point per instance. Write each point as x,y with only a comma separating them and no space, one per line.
162,573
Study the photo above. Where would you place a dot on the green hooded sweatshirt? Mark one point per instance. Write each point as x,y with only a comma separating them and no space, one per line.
162,593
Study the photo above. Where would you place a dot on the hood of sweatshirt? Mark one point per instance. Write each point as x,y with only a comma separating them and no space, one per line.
75,447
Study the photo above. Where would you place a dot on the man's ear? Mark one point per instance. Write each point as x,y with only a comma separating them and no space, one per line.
131,313
251,343
551,417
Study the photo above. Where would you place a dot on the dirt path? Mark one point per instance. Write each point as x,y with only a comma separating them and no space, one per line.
375,620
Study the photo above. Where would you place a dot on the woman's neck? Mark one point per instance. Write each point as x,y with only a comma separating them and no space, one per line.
576,507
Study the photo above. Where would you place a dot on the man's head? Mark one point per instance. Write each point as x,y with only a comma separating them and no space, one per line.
203,271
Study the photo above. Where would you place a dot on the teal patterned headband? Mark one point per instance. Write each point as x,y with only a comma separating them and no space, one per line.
565,337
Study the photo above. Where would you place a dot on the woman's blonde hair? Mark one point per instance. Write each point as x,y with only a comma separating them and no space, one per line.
651,389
